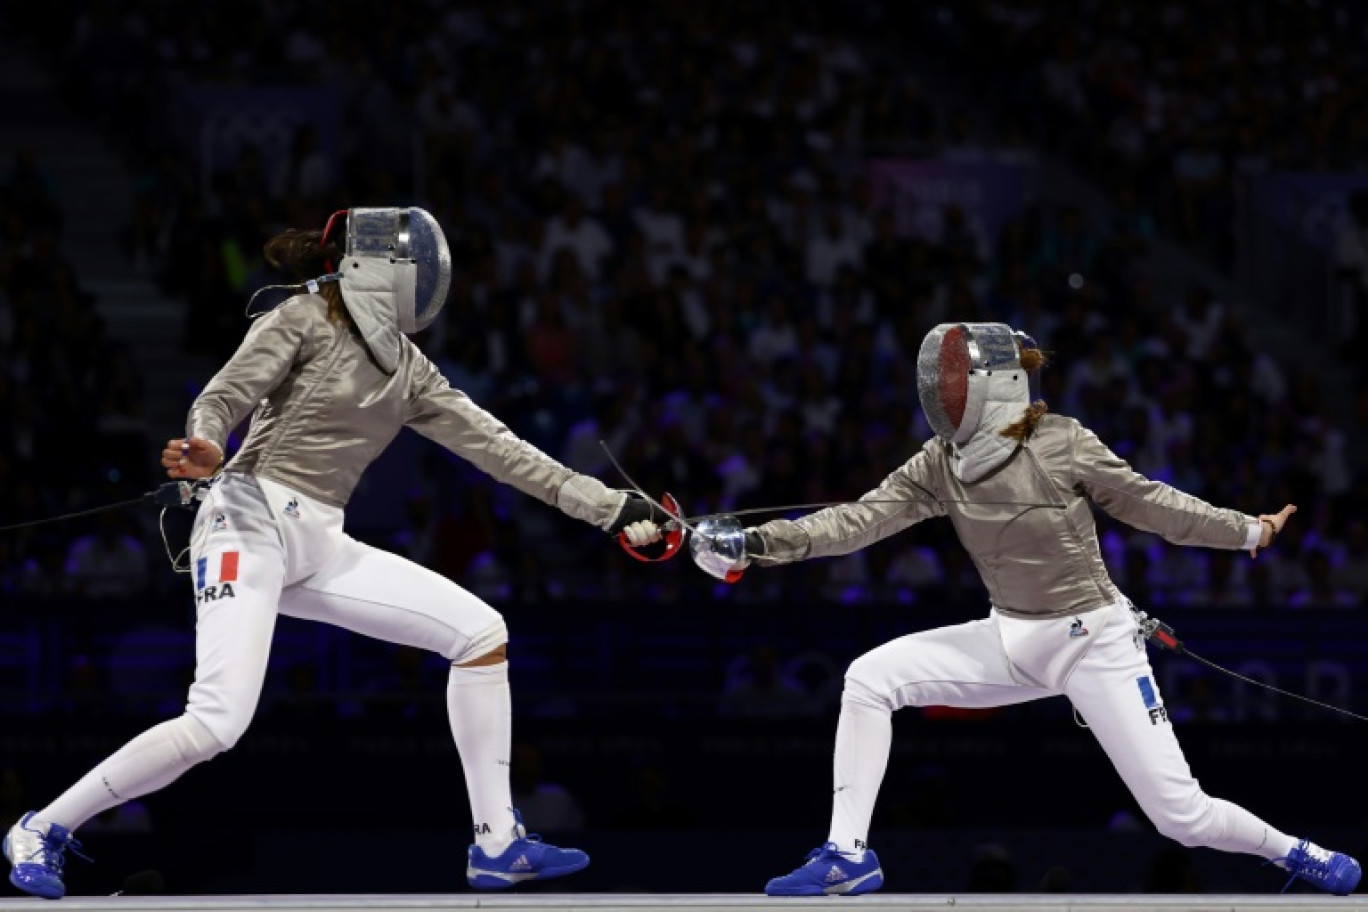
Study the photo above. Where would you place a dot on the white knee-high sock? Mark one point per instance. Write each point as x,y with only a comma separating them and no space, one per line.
481,712
149,762
1237,830
864,736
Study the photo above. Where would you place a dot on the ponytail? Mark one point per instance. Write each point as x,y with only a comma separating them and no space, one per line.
301,255
1032,360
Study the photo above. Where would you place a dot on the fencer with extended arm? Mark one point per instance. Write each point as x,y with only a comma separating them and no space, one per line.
1019,485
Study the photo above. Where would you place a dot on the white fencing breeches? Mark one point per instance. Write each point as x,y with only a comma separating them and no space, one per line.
258,550
307,569
1097,660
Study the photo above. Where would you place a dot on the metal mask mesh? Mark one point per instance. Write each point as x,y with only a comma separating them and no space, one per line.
428,248
406,234
948,354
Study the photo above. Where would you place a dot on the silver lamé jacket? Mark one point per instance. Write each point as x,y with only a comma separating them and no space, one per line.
322,411
1036,561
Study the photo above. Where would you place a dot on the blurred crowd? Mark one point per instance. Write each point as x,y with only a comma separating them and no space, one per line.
1180,104
663,239
71,405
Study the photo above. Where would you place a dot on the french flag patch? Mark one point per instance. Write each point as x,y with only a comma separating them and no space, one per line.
227,569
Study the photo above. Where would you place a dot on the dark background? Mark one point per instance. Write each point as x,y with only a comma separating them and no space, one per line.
712,234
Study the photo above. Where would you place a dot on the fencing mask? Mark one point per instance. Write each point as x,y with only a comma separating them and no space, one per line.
972,386
395,274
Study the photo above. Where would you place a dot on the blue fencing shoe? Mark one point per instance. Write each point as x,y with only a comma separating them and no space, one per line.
1333,872
527,858
37,851
828,870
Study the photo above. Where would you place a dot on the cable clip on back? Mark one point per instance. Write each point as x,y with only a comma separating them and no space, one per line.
1156,631
184,495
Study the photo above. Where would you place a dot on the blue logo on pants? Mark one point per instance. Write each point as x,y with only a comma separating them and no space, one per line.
1147,692
1156,710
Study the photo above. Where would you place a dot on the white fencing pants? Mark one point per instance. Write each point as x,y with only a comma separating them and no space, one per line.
1097,660
258,549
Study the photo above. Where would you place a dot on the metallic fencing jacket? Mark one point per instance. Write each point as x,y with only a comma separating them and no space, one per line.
1037,561
324,411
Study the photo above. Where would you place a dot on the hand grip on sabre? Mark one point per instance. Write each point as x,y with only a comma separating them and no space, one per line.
674,534
719,548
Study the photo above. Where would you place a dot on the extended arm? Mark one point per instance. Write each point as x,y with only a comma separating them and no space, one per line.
912,490
1152,506
449,417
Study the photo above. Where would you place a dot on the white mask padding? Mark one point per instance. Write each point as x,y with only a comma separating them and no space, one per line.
995,401
405,294
368,290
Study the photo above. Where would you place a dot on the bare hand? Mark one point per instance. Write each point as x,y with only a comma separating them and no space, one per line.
1269,527
192,458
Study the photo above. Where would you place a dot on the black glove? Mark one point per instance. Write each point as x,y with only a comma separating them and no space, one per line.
636,509
755,545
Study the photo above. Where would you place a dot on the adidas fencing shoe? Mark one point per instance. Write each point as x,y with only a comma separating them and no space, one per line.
527,858
828,870
37,851
1333,872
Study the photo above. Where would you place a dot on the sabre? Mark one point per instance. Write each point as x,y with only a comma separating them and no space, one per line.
725,539
689,523
674,528
676,513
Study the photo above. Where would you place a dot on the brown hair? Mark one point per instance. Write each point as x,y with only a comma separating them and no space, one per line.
1032,360
299,254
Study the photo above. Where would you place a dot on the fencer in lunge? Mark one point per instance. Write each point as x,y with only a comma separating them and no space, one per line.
1058,624
330,378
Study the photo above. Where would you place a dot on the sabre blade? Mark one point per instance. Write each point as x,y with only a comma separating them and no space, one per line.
638,489
688,522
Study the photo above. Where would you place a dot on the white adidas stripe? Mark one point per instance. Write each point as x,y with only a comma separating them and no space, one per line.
472,871
852,884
